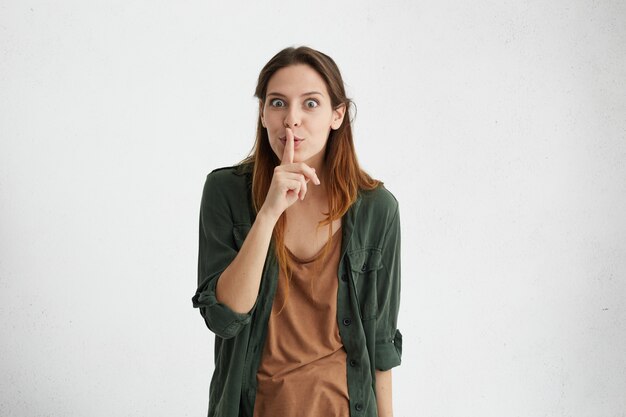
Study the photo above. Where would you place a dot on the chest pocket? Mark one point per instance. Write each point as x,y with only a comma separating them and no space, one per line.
240,231
364,265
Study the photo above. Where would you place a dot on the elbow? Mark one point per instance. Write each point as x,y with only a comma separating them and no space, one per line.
218,317
225,327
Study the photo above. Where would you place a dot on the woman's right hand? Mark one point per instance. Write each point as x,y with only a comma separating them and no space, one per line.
289,181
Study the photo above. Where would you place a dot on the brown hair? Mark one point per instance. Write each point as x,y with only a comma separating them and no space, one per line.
343,176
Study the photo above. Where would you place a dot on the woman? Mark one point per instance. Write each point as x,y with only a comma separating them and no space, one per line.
299,259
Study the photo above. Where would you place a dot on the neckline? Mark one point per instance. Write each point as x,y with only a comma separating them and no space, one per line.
317,255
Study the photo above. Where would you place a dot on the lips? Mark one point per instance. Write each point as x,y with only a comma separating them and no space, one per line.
295,138
296,142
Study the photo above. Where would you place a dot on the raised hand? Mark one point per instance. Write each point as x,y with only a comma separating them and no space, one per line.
289,181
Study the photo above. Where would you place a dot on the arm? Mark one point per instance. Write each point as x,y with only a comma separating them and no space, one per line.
388,337
383,393
238,286
235,273
221,263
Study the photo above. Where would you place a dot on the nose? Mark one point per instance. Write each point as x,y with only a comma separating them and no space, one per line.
292,118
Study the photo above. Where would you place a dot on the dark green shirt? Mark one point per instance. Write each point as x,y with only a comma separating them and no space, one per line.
367,301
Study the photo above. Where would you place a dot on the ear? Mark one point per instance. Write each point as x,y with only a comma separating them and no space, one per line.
338,115
261,112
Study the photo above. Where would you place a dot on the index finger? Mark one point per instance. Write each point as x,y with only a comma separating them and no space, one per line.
288,151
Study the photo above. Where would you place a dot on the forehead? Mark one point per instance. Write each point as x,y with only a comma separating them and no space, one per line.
295,80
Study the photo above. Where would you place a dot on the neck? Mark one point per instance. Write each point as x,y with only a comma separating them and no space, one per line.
316,199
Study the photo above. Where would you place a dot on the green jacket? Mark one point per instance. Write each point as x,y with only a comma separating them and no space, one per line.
367,302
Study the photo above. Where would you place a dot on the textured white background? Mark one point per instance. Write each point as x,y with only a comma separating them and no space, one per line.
500,126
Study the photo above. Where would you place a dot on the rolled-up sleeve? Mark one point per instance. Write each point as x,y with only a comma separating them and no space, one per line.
216,250
388,337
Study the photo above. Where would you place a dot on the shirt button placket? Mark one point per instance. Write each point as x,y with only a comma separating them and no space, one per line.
347,321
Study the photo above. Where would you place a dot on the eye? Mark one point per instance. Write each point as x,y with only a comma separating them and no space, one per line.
312,103
277,103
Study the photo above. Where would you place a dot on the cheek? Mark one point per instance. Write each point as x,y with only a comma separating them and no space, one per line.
323,122
272,126
275,147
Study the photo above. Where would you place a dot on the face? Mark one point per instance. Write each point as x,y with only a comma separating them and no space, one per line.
297,97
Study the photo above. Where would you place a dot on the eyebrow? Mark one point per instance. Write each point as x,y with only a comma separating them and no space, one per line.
305,94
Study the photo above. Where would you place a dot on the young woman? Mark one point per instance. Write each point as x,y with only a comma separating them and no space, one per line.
299,259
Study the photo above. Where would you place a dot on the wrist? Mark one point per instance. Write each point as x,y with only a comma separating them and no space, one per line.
266,217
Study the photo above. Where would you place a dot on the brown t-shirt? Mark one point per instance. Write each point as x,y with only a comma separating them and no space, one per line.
303,367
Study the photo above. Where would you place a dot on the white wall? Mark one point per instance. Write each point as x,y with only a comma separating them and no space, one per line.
498,125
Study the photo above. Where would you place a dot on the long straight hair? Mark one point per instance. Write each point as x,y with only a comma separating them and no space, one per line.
342,173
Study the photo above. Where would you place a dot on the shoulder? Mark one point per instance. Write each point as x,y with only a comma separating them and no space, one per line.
379,201
230,173
229,176
375,212
227,182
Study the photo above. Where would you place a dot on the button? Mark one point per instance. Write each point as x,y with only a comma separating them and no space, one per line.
364,267
358,406
344,277
352,362
347,322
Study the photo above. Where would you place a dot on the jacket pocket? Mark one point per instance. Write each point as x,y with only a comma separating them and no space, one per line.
364,265
240,231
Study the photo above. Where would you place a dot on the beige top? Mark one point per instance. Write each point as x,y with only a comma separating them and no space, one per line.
303,367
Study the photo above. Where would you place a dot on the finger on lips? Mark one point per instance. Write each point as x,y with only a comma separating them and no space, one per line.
288,153
288,150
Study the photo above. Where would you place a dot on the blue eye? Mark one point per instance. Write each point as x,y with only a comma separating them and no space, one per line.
277,100
315,103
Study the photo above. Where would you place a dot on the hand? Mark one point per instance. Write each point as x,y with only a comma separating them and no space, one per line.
289,181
